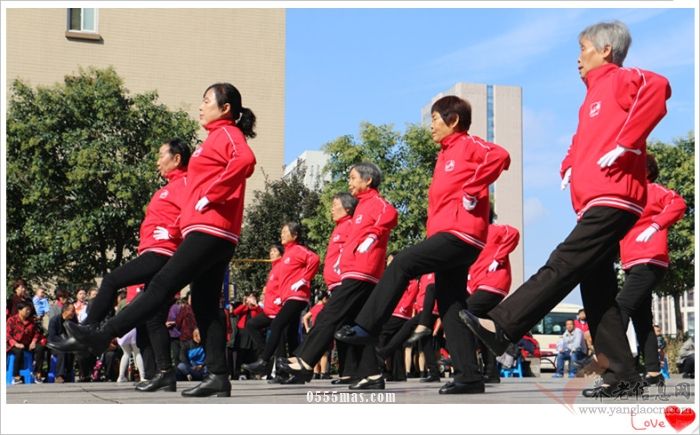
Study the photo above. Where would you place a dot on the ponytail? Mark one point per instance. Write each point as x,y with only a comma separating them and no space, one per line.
247,122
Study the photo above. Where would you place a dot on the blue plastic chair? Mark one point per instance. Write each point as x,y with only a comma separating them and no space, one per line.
664,369
26,370
513,371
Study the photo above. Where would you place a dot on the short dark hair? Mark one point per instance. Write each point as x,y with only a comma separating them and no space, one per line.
177,146
348,202
22,305
20,282
294,229
277,246
579,311
244,118
451,109
369,171
652,168
67,307
60,293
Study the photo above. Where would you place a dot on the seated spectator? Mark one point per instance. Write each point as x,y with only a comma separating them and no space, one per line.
186,324
57,332
41,308
582,324
194,369
686,359
571,347
56,307
23,335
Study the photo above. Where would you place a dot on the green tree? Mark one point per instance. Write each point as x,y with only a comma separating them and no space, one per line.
80,171
283,200
677,172
406,162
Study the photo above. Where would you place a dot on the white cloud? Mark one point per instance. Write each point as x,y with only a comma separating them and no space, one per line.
533,209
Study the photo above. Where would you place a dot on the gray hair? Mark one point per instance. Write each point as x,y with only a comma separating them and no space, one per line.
614,34
368,171
348,201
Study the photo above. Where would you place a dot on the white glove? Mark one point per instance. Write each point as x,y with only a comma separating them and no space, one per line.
297,285
203,202
566,179
161,233
493,266
608,159
277,301
645,235
468,202
364,246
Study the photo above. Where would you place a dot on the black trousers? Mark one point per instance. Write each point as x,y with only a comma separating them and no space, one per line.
586,257
64,364
450,258
153,338
345,302
389,330
480,303
38,357
255,328
287,318
200,261
634,301
427,318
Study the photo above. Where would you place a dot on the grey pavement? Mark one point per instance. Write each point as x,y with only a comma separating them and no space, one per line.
540,390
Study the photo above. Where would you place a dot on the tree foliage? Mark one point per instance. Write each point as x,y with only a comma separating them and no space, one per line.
80,171
677,172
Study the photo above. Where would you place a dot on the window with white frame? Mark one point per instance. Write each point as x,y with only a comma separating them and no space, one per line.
82,20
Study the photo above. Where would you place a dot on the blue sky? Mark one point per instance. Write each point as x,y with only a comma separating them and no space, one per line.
345,66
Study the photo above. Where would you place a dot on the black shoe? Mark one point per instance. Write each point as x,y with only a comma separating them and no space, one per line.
69,344
432,377
293,380
78,331
163,380
258,367
496,342
455,387
354,335
342,381
317,376
276,380
492,380
416,337
369,384
218,385
302,372
325,376
654,380
83,338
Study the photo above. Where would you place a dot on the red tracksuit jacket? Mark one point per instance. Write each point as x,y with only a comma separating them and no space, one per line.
218,170
664,208
272,291
501,241
298,263
622,106
466,166
423,283
404,309
244,312
374,217
335,247
164,211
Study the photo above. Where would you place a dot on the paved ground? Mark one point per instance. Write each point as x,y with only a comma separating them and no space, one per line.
511,390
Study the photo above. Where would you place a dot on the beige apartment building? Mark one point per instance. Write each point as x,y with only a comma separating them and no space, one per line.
497,117
177,52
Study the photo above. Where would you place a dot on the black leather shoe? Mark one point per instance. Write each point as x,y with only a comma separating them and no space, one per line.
325,376
74,329
342,381
654,380
83,338
294,380
369,384
348,334
163,380
496,342
302,373
432,377
218,385
69,344
258,367
416,337
455,387
492,380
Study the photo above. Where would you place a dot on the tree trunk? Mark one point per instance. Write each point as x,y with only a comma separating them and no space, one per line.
679,319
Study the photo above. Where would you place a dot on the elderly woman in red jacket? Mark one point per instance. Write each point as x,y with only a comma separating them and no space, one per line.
210,222
644,254
458,209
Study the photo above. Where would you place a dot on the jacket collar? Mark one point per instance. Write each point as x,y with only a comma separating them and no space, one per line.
218,123
451,139
345,218
175,174
596,74
369,193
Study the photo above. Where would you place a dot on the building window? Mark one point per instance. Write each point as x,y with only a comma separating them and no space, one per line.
82,24
489,113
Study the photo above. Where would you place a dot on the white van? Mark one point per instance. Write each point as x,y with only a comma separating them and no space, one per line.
548,331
